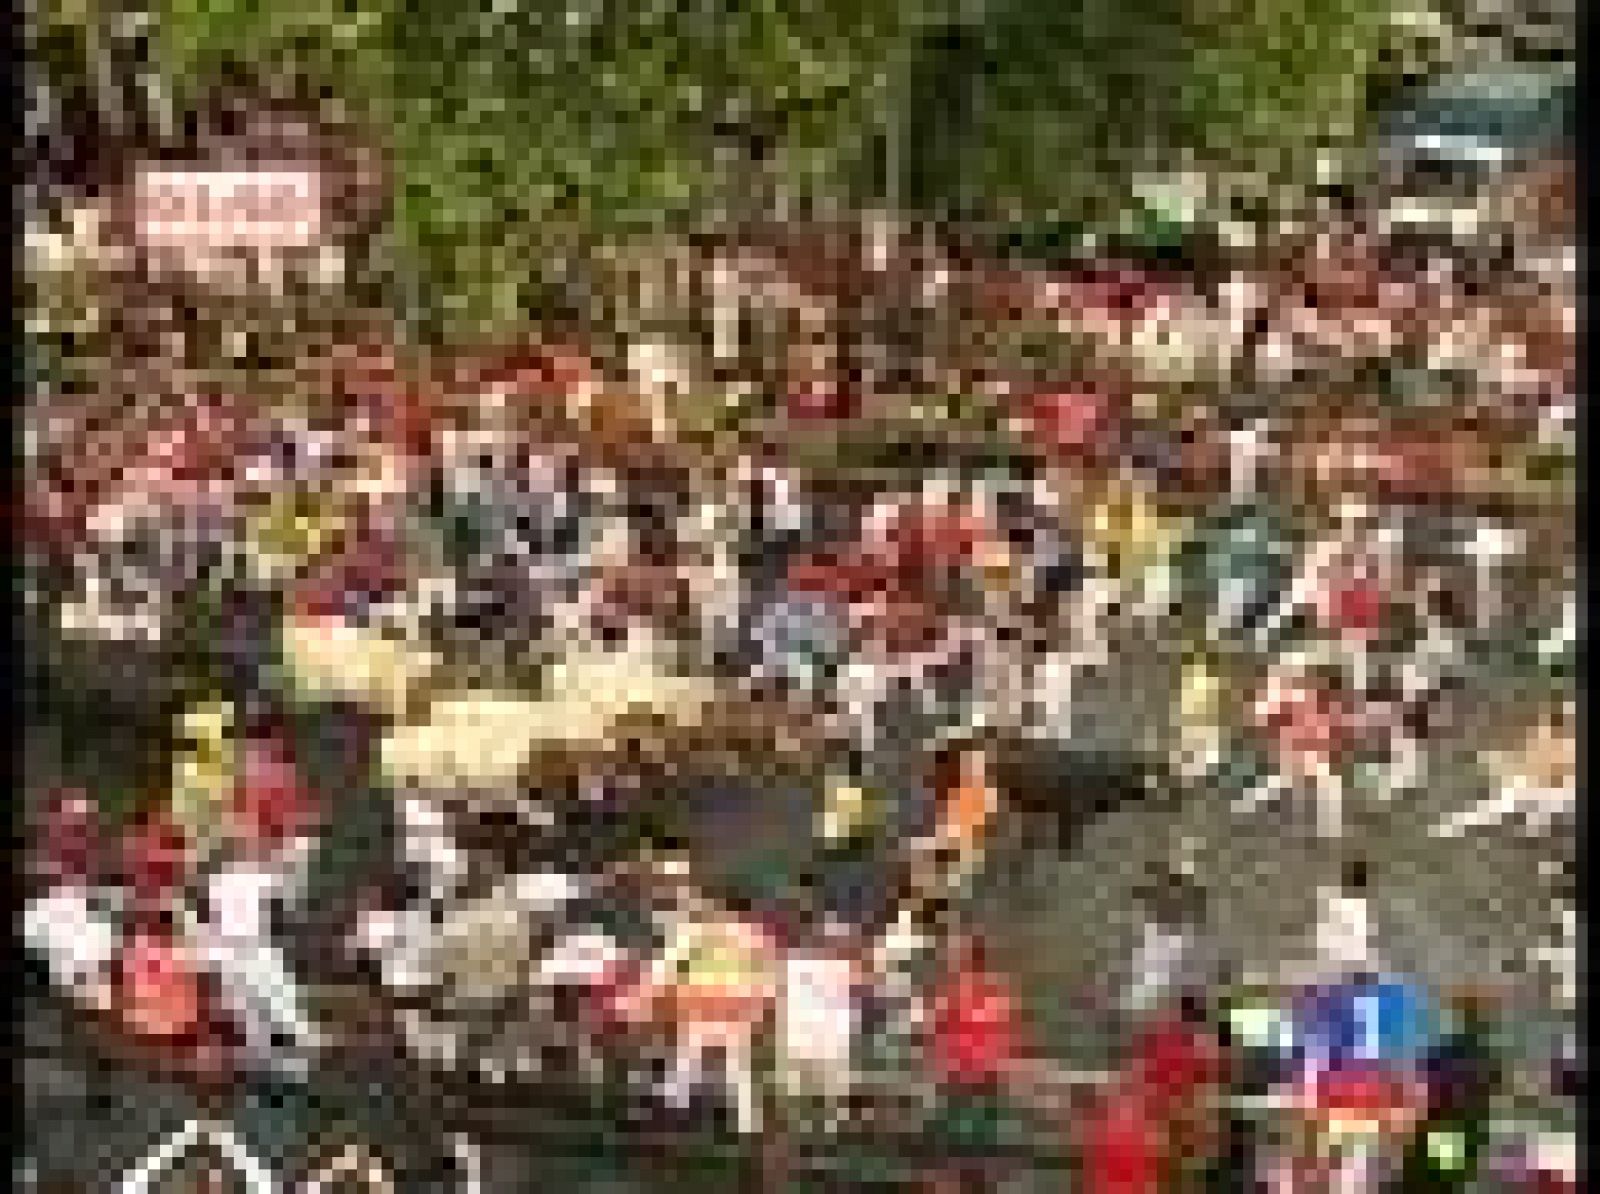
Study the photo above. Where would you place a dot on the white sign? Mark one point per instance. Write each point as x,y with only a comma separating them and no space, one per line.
205,212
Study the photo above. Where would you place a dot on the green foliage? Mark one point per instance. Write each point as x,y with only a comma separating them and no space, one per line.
633,119
526,134
1275,80
344,44
1062,107
521,131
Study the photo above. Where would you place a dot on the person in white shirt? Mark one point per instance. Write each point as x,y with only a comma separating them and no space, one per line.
819,1017
235,941
716,977
73,925
1170,956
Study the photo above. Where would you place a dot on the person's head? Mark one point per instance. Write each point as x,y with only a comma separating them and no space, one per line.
1356,877
966,952
962,762
1172,899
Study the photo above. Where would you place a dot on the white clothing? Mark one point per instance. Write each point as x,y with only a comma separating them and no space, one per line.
1160,957
70,929
580,958
818,1020
237,946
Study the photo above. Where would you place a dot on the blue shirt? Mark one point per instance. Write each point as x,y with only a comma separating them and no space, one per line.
1363,1020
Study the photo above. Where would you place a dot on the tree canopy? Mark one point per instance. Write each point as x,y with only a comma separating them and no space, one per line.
523,128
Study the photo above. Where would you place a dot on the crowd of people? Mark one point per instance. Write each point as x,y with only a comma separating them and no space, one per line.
687,758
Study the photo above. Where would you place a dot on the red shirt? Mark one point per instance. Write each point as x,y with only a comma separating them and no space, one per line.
1069,421
1173,1062
920,538
374,388
612,1003
1308,724
370,564
70,842
271,804
820,400
532,371
1543,1181
974,1038
1123,1151
845,579
155,857
1361,1093
1354,608
159,990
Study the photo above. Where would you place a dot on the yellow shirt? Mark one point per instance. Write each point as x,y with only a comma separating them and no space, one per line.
1130,530
717,954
